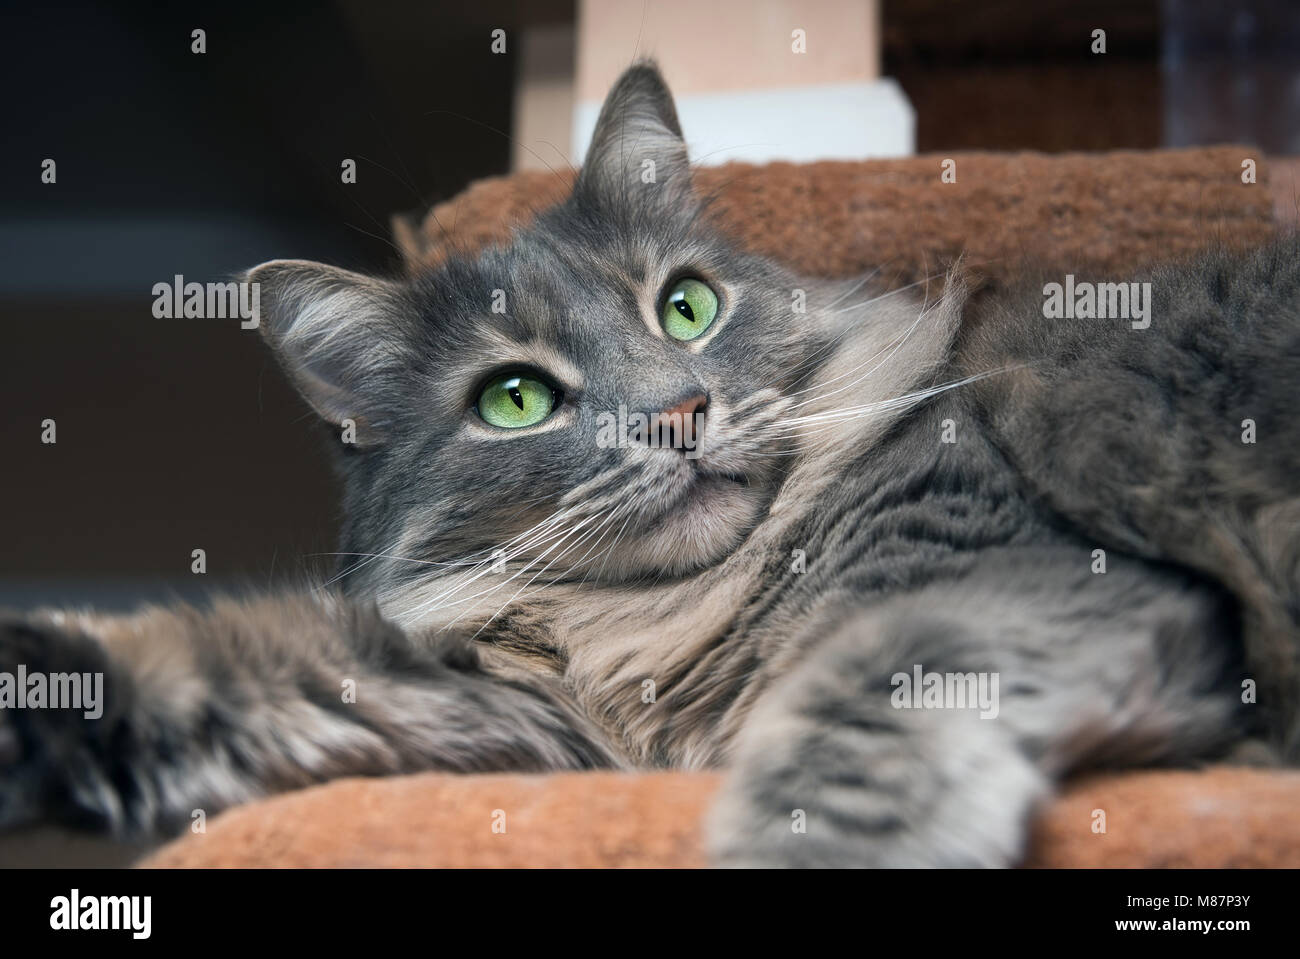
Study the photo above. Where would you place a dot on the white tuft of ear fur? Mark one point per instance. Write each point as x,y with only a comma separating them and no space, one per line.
331,330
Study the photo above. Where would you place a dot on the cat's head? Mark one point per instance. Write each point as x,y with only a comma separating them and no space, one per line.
602,398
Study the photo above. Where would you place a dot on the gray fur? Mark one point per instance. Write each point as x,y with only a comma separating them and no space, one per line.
536,586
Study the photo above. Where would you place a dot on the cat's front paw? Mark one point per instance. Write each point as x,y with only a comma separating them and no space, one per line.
825,801
829,772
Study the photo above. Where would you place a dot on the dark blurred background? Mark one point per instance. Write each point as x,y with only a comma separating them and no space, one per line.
179,434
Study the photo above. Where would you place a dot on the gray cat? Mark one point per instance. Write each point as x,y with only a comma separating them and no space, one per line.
622,495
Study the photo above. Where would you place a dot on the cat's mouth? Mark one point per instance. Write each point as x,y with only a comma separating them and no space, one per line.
687,514
674,515
707,476
698,477
713,511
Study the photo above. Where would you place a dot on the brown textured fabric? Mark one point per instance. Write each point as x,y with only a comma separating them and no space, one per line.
1222,817
561,820
1082,212
1104,212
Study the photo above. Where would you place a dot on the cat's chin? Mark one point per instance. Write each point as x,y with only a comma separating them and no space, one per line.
700,530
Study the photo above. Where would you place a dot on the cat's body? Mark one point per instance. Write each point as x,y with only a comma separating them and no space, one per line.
887,484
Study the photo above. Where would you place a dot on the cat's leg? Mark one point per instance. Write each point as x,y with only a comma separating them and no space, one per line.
850,761
182,709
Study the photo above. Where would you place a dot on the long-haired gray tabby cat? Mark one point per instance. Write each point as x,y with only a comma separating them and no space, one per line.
898,565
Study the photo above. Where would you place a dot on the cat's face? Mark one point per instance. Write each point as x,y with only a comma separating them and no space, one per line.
509,408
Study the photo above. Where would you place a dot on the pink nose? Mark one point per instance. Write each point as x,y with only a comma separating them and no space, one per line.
679,426
686,410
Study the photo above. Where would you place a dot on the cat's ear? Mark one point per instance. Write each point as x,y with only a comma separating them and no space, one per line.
334,333
637,152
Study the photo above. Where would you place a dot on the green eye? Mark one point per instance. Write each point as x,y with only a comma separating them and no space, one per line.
515,400
689,310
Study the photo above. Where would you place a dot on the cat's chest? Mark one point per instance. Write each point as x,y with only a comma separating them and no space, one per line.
920,506
671,669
